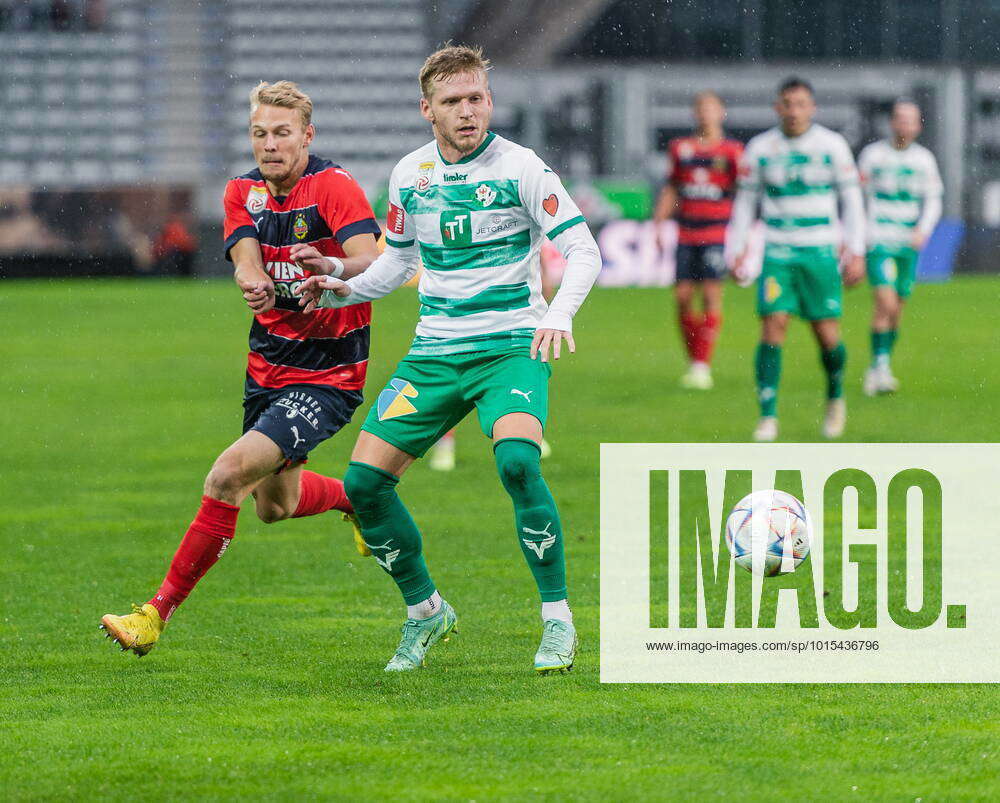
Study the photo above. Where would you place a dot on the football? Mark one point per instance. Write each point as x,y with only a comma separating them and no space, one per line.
769,533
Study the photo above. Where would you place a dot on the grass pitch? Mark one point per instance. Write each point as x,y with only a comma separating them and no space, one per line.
268,684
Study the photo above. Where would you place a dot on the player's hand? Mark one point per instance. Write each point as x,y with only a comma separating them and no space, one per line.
854,269
554,337
258,293
311,290
308,257
738,267
918,240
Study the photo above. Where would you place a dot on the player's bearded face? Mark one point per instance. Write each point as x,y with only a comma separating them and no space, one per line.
280,142
460,109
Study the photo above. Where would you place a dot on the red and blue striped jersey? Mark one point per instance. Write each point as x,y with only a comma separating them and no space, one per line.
325,208
705,177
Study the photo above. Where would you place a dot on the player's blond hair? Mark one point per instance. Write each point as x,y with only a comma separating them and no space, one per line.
448,61
285,94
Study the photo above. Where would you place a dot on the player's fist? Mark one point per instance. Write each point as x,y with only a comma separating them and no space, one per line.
308,257
854,269
258,293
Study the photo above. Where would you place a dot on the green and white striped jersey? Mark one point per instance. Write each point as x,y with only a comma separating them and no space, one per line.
798,181
478,224
903,188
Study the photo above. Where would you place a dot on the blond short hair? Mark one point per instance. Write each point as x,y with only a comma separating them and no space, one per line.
451,60
285,94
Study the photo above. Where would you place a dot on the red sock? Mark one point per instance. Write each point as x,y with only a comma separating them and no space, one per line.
203,544
690,324
707,334
318,494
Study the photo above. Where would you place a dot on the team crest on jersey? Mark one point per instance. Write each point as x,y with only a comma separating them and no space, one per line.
551,205
301,228
485,194
256,200
423,179
394,401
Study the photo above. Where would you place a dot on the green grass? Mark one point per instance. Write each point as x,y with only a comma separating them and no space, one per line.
117,396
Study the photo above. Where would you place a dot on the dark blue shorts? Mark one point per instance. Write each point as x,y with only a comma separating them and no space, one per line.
299,417
696,263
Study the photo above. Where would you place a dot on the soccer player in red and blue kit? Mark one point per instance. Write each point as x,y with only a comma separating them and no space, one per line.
295,215
699,189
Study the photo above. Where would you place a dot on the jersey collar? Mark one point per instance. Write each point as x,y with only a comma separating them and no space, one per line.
490,136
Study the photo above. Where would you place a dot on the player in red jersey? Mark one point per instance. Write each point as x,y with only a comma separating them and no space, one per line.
295,215
699,188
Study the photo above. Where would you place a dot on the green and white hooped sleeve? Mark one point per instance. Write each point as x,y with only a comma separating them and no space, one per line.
559,219
394,267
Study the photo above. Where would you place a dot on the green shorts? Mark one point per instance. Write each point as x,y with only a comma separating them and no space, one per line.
428,395
893,266
800,280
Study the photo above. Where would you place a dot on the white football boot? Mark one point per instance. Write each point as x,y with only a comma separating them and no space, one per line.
767,430
835,419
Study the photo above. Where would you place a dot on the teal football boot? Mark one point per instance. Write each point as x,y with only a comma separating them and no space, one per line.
558,647
419,635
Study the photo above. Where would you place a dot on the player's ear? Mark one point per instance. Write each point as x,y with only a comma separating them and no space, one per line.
425,110
310,135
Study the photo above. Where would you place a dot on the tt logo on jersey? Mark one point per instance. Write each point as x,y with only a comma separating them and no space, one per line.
423,179
456,228
485,194
394,401
301,228
256,200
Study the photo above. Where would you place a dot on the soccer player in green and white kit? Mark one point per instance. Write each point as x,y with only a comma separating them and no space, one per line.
475,208
904,205
797,171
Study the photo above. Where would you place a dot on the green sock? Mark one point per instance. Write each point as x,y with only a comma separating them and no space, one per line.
882,343
535,515
833,362
768,369
389,529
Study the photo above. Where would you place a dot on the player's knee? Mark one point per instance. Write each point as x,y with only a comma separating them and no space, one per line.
366,488
517,465
225,480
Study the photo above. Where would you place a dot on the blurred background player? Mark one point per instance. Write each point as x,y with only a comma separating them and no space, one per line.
442,456
701,179
904,189
797,170
293,216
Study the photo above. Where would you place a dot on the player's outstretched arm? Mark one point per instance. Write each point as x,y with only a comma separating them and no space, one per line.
393,268
359,252
853,206
250,276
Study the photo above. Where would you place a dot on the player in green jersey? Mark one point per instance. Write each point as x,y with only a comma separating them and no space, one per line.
474,208
797,171
903,189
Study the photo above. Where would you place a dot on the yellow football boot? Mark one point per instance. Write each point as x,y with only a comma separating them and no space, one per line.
137,631
359,540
